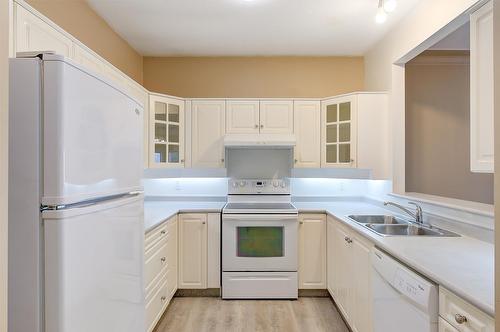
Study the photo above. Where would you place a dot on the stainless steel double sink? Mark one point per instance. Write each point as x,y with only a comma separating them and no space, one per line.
387,225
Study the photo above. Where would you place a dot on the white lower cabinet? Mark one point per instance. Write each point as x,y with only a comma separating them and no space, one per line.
312,251
160,270
199,250
444,326
349,274
457,314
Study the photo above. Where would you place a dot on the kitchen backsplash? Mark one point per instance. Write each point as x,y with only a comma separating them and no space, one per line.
308,187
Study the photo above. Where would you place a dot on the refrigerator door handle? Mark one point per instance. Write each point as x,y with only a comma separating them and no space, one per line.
89,202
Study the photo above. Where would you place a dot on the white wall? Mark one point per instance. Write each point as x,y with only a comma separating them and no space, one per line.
427,18
4,48
429,21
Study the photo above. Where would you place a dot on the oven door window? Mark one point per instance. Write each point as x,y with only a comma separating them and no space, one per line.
260,241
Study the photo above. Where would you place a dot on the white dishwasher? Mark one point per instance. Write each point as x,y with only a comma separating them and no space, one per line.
402,299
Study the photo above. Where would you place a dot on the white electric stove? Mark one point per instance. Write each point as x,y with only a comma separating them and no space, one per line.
259,240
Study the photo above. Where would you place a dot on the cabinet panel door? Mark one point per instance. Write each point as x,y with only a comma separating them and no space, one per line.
481,83
213,255
33,34
276,117
338,132
208,129
166,132
307,129
88,60
342,266
172,254
312,251
331,256
361,287
193,251
242,117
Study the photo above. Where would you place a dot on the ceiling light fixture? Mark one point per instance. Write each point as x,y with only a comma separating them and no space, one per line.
390,5
381,16
384,7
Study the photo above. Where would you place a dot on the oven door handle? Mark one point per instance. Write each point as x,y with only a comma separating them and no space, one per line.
259,217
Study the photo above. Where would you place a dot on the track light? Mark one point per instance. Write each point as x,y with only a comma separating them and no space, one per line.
384,7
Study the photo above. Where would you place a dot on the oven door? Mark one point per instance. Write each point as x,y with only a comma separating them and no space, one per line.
259,242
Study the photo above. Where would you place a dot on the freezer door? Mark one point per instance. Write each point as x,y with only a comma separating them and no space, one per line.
94,258
92,133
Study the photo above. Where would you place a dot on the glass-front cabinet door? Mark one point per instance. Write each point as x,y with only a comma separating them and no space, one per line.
166,132
338,139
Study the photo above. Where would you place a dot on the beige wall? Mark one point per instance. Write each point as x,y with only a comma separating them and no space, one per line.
80,20
253,76
4,47
437,129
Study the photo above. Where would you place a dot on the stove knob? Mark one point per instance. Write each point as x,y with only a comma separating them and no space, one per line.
235,184
283,185
243,183
276,184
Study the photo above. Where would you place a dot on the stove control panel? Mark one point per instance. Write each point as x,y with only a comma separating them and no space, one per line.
259,186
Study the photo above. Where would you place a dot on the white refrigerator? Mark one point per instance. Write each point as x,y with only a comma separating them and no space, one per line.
76,227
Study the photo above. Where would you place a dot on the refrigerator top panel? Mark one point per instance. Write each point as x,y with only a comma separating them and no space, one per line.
92,135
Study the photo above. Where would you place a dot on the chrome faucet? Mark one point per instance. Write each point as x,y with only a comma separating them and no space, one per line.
418,214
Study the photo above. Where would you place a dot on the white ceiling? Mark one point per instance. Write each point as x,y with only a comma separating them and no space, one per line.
243,27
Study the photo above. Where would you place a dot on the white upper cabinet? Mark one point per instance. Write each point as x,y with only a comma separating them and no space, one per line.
338,132
33,34
87,59
242,117
166,130
276,117
481,84
208,129
307,129
355,133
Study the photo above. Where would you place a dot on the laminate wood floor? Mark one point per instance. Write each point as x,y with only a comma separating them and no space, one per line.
200,314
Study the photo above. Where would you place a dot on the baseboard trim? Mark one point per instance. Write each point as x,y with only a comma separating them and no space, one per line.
313,293
209,292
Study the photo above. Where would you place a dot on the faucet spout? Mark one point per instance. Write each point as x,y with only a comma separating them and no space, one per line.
417,215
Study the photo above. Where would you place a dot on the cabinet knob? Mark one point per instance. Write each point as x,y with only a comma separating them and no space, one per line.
256,126
182,161
352,160
261,126
301,222
163,298
296,160
222,160
203,223
163,259
163,232
347,239
460,319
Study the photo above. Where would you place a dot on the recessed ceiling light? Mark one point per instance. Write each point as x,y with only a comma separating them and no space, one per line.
390,5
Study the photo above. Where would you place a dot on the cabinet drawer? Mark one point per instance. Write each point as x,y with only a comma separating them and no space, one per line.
451,307
444,326
155,262
155,235
157,304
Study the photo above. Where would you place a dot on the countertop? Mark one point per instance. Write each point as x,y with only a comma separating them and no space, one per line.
155,212
463,265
